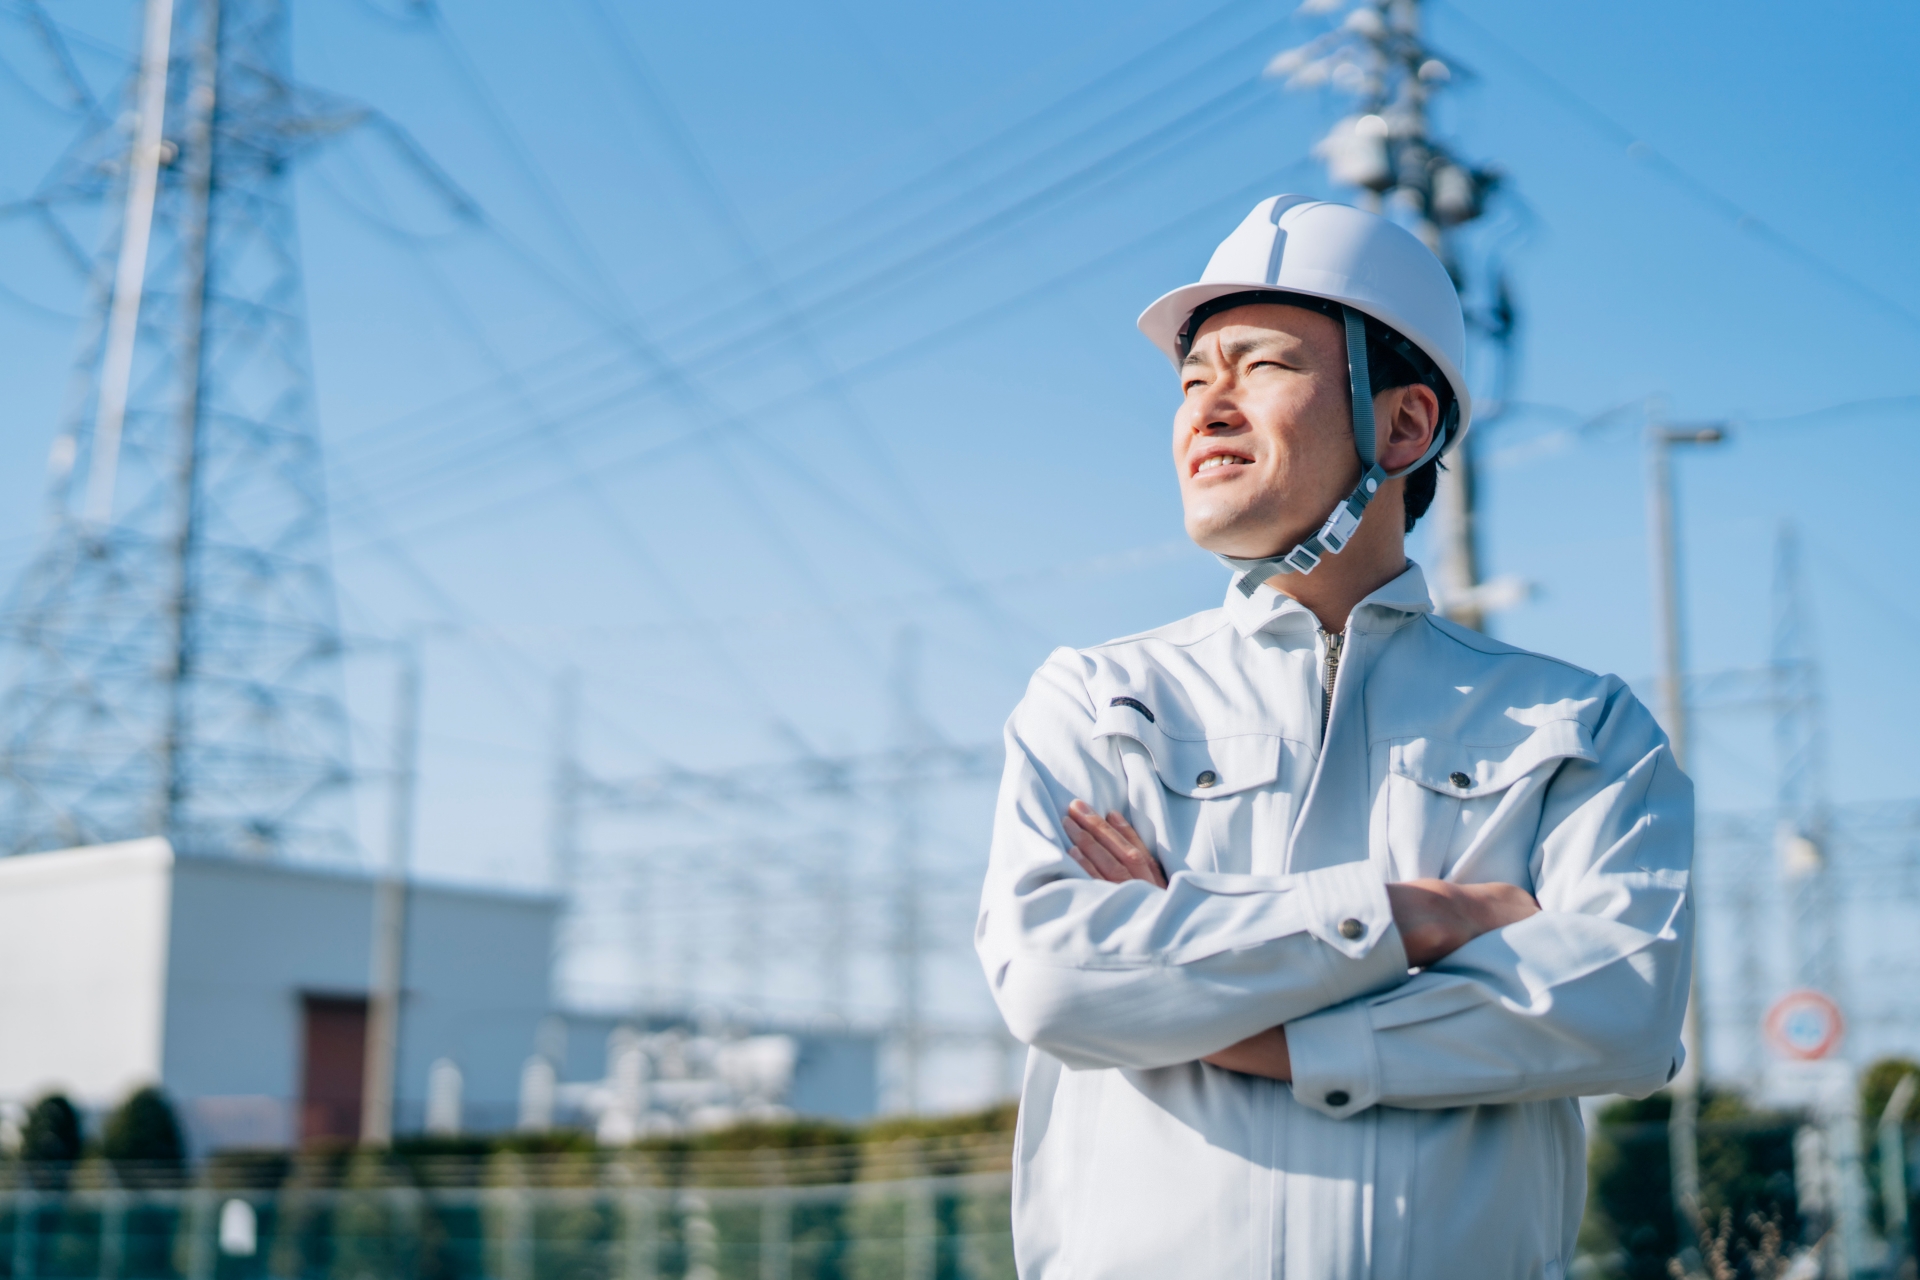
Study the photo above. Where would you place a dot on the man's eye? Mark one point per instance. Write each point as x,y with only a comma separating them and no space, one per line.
1186,388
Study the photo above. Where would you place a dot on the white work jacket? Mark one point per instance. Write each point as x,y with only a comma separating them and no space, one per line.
1431,1128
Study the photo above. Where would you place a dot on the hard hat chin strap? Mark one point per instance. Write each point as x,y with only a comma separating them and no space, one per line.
1340,526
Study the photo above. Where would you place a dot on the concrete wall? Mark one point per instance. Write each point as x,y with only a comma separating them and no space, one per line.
250,939
479,971
83,944
123,965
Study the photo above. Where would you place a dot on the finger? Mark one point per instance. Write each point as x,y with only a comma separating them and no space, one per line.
1125,828
1106,843
1102,864
1079,860
1130,849
1121,857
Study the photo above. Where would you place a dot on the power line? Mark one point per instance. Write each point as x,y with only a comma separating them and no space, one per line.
894,276
1050,287
625,539
694,165
1699,190
1149,57
658,363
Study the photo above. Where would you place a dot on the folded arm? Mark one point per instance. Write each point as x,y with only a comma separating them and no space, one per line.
1104,974
1434,917
1585,997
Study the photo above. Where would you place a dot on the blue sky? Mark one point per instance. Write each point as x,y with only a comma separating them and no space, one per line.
892,256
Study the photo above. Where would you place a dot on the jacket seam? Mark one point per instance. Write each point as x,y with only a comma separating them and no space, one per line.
1495,649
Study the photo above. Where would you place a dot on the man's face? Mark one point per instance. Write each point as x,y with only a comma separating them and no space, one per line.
1263,441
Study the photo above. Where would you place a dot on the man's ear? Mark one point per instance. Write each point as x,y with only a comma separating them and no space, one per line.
1412,418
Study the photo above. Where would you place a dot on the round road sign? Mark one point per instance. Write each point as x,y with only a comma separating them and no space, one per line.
1804,1025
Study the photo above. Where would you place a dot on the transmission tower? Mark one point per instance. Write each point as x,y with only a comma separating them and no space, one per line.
1385,147
1803,835
728,830
174,660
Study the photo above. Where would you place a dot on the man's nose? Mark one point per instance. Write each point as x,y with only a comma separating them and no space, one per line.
1216,411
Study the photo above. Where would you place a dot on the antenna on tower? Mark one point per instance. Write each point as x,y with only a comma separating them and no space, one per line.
1386,148
173,653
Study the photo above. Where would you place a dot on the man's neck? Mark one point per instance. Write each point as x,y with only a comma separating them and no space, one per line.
1340,582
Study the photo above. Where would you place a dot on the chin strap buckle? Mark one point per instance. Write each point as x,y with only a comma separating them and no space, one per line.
1339,529
1331,540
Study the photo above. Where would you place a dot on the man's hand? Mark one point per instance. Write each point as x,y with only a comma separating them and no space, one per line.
1109,848
1437,918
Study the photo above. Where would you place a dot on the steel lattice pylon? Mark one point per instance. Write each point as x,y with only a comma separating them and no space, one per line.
1802,837
174,661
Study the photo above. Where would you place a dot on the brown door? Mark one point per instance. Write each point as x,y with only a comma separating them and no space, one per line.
333,1063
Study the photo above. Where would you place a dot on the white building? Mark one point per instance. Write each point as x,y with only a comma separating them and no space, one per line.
240,988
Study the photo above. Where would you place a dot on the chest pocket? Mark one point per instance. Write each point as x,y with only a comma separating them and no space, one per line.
1468,812
1189,795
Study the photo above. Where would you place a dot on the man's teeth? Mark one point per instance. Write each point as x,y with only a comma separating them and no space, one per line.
1220,460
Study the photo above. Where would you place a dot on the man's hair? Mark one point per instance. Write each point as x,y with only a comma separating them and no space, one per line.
1393,360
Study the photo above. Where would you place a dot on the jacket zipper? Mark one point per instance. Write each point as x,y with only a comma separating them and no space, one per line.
1330,672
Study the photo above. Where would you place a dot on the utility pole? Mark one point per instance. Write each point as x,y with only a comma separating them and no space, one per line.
910,739
1386,148
563,818
172,657
389,960
1669,622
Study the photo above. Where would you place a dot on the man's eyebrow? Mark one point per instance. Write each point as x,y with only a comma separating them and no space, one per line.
1233,351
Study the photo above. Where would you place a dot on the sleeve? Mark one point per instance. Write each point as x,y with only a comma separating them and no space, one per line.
1129,975
1584,998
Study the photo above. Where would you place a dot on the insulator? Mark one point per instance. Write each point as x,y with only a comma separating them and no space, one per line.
1456,195
1365,21
1290,61
1355,153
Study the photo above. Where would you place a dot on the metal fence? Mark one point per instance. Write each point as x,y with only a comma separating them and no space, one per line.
905,1211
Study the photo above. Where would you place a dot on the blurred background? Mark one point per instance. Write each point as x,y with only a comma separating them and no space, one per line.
524,523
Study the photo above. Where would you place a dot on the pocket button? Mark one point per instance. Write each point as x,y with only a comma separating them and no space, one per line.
1461,781
1206,779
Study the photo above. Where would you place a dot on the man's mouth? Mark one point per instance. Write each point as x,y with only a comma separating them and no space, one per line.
1216,460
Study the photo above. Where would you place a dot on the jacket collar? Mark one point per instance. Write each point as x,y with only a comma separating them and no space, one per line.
1270,610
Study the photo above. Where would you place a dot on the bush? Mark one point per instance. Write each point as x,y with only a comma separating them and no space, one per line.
1877,1083
52,1132
50,1142
144,1131
1746,1186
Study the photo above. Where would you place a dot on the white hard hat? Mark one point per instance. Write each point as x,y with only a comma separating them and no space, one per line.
1297,244
1363,266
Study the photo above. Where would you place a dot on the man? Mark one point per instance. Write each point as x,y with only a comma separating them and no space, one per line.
1319,911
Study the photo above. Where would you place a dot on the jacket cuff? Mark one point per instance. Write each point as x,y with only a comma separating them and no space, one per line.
1347,909
1335,1068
